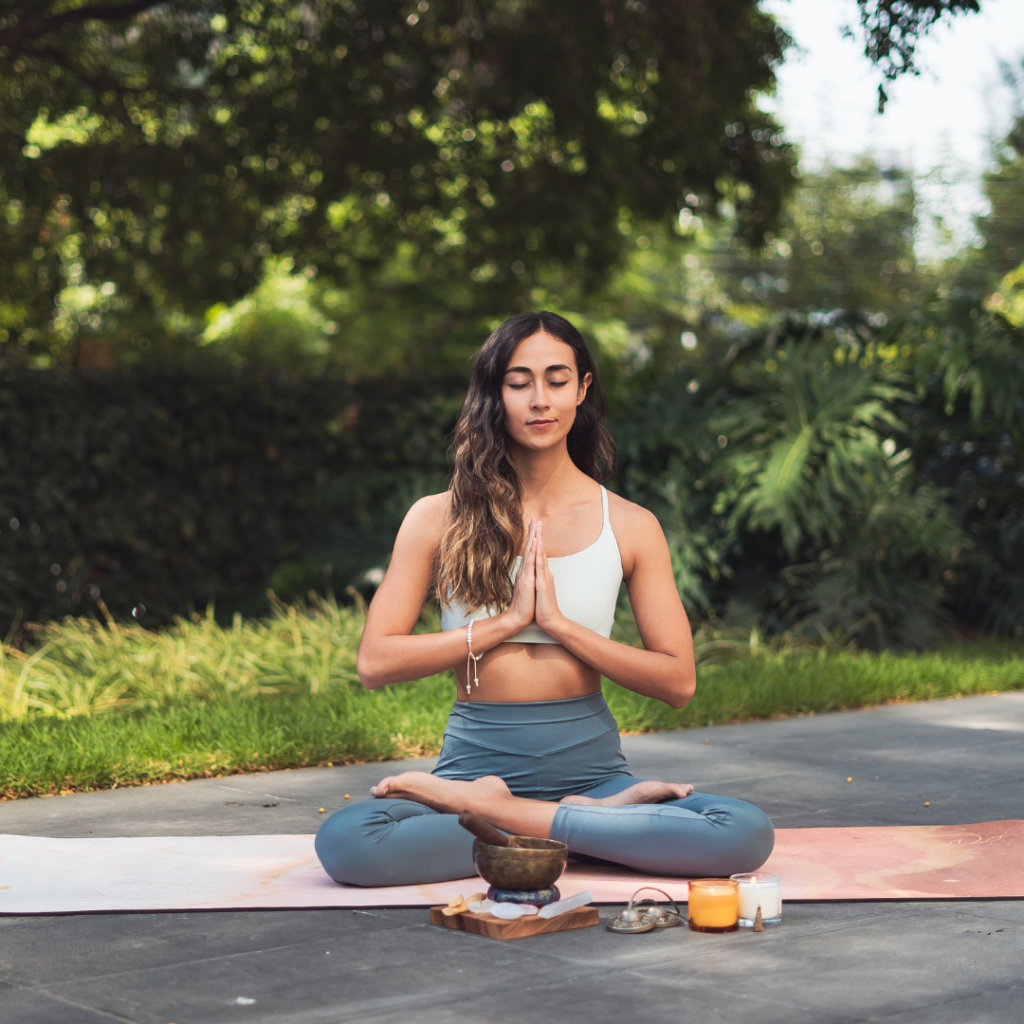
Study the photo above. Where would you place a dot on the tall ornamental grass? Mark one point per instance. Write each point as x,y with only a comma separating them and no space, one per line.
99,705
81,666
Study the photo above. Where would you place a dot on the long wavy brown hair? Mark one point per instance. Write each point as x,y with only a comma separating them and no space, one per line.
483,528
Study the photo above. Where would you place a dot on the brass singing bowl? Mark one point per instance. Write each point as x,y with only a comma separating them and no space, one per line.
532,864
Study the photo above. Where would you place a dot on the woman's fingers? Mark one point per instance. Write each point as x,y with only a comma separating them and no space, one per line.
535,564
547,602
531,540
542,559
524,589
530,558
530,534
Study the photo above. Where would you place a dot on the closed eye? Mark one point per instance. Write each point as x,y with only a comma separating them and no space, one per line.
519,385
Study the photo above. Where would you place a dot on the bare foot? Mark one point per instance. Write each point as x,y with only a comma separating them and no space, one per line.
642,793
450,796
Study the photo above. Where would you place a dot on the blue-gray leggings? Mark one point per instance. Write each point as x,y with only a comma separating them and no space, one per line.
544,750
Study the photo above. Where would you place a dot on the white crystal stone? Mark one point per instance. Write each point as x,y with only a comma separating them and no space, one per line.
513,911
564,906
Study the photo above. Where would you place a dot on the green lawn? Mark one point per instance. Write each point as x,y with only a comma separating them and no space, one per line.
98,706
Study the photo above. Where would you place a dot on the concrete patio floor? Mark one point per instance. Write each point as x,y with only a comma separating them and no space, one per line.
829,963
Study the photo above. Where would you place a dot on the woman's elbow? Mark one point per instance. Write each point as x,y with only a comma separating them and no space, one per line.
370,672
682,693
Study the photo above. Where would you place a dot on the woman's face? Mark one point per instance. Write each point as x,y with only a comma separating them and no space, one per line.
541,390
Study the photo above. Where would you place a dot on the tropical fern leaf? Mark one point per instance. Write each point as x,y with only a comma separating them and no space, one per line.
813,442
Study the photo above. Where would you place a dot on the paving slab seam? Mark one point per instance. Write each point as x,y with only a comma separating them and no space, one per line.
911,757
397,1008
223,957
785,1004
399,1014
925,755
995,917
64,1001
874,1018
273,796
948,1002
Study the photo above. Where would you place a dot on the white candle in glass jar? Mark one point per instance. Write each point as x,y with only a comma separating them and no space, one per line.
762,890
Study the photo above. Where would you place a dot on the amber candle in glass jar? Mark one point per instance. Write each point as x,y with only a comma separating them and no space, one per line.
714,905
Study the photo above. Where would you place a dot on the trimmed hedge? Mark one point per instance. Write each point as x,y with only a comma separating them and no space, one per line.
171,490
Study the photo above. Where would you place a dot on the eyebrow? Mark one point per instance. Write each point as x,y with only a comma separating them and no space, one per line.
526,369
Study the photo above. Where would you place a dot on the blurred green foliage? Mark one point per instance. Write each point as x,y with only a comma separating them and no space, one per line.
842,455
433,155
854,474
161,491
271,235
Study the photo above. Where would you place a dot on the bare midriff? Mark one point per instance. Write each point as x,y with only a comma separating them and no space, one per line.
510,673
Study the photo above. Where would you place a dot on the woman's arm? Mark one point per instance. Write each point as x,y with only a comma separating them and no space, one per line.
664,669
388,653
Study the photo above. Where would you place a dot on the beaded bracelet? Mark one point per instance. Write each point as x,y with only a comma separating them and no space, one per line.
471,657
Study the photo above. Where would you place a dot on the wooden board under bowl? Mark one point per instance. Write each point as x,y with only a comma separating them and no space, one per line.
496,928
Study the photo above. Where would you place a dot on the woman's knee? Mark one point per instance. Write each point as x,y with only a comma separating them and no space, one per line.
741,837
339,842
752,835
349,842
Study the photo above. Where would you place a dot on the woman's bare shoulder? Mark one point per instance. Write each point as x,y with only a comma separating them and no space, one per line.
638,534
632,518
426,516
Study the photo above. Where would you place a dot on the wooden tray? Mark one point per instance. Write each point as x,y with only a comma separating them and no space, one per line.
495,928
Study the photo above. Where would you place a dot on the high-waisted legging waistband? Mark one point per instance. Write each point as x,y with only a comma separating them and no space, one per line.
544,750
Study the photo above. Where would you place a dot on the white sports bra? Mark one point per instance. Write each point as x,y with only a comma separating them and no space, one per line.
586,587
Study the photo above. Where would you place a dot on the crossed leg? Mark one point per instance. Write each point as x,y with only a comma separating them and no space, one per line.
491,799
405,841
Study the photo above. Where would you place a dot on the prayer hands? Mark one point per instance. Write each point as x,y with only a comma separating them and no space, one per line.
533,595
546,611
523,605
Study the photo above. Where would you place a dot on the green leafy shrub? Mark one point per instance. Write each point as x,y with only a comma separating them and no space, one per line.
170,490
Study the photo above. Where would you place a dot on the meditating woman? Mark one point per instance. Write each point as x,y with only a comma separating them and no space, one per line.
526,554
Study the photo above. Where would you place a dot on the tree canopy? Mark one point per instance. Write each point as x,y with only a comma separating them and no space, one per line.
893,28
154,154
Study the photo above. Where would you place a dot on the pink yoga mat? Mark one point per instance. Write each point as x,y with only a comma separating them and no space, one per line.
69,876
